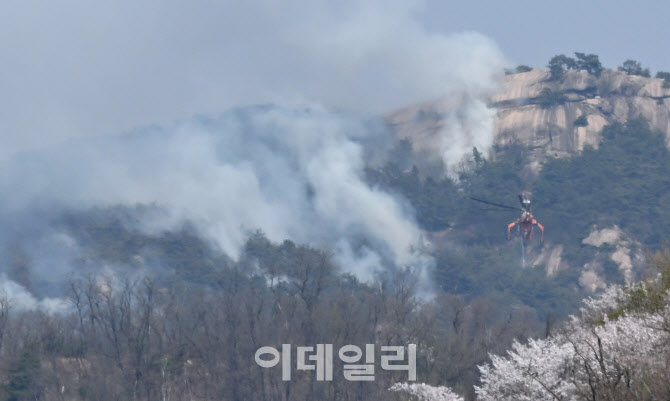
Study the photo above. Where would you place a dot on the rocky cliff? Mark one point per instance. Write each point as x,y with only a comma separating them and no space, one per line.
555,118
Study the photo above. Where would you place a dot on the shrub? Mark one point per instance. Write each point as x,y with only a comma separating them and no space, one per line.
632,67
523,68
549,98
665,76
581,121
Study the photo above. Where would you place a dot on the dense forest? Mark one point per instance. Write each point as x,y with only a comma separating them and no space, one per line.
623,183
174,337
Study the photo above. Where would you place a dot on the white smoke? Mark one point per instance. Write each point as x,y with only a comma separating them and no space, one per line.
294,174
76,69
467,126
20,299
293,171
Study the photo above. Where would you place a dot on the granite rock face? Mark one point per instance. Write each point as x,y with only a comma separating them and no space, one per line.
554,118
526,113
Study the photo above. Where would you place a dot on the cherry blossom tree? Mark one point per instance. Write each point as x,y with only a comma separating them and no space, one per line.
426,392
610,350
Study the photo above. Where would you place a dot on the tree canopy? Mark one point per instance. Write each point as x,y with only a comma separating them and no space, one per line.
632,67
582,61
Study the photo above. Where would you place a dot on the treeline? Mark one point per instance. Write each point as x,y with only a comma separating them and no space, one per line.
561,63
157,338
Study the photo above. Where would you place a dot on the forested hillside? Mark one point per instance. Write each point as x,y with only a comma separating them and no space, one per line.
178,318
623,183
253,231
191,329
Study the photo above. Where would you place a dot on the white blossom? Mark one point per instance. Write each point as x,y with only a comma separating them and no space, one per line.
529,372
613,298
594,353
426,392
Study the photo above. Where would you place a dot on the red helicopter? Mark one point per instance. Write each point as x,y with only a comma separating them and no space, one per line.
525,222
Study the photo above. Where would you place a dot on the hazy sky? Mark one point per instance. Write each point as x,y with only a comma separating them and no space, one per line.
72,69
531,32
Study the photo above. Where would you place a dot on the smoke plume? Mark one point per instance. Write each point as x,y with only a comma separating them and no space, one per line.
293,169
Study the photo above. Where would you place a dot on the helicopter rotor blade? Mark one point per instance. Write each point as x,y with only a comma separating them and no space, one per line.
495,204
493,210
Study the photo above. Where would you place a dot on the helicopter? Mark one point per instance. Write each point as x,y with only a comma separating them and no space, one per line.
525,222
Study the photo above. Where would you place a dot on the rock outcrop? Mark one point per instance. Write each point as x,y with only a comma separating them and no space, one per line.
554,118
616,246
544,114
